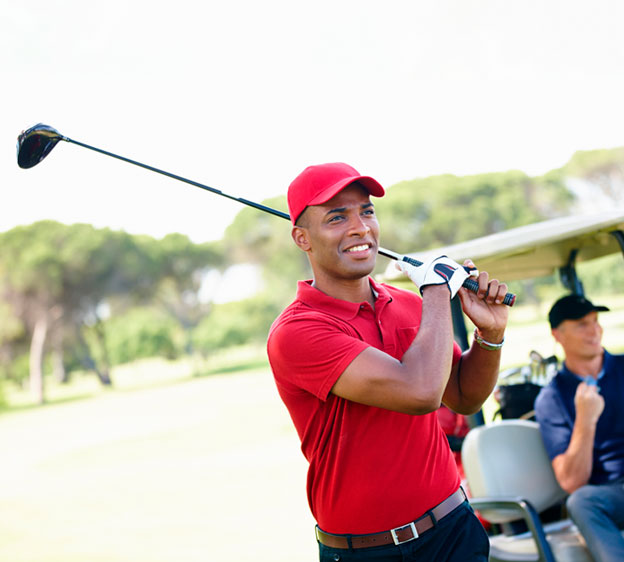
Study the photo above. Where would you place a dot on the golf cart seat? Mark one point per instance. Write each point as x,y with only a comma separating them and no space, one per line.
511,480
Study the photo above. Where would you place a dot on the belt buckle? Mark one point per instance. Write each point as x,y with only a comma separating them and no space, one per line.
395,537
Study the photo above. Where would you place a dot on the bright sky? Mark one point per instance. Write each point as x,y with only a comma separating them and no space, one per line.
242,95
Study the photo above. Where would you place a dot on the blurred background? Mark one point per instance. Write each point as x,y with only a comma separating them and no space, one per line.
138,415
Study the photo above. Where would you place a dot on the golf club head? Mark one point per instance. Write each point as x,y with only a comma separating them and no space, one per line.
34,144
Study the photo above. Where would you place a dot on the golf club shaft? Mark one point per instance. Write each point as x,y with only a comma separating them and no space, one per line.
185,180
470,283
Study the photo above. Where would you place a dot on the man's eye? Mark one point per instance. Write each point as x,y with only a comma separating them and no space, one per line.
335,218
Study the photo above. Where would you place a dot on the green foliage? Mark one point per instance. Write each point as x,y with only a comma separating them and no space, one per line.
181,259
253,234
142,332
235,323
28,261
11,327
182,266
442,210
602,276
602,171
3,400
585,163
261,238
17,369
68,276
13,344
75,266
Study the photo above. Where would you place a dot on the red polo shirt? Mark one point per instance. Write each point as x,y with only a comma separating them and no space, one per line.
371,469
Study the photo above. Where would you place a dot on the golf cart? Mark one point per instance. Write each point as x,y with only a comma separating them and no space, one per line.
507,470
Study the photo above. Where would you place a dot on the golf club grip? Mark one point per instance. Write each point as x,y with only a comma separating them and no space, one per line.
470,284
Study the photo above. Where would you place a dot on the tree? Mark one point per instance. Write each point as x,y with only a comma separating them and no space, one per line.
31,283
236,323
593,172
58,278
446,209
182,267
142,331
260,238
14,342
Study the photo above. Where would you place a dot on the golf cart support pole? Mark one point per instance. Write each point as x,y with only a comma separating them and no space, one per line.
34,144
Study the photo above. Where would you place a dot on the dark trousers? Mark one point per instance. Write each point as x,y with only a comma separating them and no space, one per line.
459,537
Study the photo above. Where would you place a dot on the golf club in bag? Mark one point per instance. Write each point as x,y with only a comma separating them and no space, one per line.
34,144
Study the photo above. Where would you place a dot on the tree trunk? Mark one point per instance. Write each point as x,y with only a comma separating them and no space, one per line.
104,376
103,373
37,345
56,342
58,366
87,361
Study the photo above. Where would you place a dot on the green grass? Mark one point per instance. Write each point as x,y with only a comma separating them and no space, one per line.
205,470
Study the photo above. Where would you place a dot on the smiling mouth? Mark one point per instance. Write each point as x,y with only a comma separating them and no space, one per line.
359,248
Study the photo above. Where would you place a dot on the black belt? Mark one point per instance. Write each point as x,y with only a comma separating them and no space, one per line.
397,535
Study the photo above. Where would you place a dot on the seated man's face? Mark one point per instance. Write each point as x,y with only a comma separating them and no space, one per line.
580,338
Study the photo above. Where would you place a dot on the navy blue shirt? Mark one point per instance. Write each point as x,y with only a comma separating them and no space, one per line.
555,413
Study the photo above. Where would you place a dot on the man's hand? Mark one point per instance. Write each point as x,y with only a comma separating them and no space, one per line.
588,402
485,308
574,467
437,271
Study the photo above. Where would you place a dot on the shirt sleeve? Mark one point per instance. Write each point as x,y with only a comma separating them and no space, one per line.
554,423
311,354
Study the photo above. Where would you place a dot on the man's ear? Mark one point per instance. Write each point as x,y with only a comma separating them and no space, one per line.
555,334
300,237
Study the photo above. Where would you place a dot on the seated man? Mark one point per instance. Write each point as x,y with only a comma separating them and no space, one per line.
581,418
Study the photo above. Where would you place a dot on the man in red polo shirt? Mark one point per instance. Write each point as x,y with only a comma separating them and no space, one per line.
362,368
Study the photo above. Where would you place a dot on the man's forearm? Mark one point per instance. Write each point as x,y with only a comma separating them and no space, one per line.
573,468
431,352
473,379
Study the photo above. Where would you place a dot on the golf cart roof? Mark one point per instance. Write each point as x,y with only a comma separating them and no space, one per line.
535,250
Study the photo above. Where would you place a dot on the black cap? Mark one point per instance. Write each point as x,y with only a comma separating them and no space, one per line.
571,307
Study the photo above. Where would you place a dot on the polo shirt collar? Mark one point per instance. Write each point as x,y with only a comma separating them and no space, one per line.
345,310
606,359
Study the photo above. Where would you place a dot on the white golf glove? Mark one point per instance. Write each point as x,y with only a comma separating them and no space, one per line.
437,271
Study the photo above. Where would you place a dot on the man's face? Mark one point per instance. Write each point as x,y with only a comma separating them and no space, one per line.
341,236
580,338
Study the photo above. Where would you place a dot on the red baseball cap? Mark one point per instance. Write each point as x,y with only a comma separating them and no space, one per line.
318,184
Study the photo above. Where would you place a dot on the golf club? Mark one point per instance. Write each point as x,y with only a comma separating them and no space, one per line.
34,144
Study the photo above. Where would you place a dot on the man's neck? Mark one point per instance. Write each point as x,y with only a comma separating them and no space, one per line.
585,366
351,290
